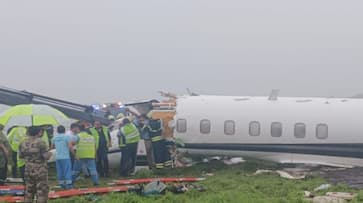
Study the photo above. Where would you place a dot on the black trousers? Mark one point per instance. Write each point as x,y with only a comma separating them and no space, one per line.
128,159
14,167
102,162
158,154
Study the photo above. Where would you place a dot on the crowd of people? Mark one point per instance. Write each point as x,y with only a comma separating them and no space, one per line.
82,149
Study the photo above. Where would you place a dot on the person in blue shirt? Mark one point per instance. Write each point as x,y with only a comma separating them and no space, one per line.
63,145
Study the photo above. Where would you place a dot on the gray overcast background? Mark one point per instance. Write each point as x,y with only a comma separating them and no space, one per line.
99,51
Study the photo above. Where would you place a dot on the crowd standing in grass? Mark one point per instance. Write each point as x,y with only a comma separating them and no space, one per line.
82,149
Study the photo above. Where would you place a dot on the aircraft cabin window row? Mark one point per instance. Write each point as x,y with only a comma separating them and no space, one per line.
322,131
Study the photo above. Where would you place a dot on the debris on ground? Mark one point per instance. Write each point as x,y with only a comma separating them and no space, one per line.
215,158
342,195
181,160
154,188
308,194
282,174
330,197
322,187
234,161
353,177
180,188
183,188
327,199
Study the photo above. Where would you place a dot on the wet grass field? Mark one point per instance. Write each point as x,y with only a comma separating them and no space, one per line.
228,184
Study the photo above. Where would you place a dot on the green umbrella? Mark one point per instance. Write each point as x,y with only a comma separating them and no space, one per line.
32,115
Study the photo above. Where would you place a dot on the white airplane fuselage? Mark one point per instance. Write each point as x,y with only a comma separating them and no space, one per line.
294,130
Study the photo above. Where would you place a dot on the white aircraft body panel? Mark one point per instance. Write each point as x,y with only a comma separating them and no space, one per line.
344,118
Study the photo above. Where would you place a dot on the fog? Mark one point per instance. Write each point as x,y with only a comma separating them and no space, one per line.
101,51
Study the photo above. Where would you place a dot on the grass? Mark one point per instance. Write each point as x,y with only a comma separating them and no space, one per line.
229,184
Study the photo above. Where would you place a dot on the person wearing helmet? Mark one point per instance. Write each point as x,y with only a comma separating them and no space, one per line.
131,135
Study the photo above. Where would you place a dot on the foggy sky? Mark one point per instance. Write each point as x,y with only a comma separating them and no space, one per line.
100,51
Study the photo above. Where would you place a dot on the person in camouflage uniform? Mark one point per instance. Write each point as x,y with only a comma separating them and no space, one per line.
35,154
4,154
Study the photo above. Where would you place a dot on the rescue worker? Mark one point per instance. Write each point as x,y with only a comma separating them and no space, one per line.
34,151
130,134
16,135
161,151
64,147
102,134
142,123
86,155
4,154
154,129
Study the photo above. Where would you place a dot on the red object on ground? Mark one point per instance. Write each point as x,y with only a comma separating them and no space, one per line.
11,199
164,180
78,192
71,193
12,187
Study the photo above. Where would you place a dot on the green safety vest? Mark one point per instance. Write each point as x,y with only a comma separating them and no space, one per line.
131,133
86,148
105,132
16,136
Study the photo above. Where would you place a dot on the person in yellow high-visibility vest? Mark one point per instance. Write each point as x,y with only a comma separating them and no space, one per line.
16,136
131,135
102,134
86,155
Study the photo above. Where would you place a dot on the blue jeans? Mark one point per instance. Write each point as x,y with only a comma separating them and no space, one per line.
64,173
89,164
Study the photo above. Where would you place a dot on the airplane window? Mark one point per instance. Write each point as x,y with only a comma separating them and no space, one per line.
322,131
229,128
300,130
276,129
255,128
205,126
181,126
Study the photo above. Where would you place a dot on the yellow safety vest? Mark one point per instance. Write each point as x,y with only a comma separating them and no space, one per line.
16,136
45,139
131,133
86,148
95,133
